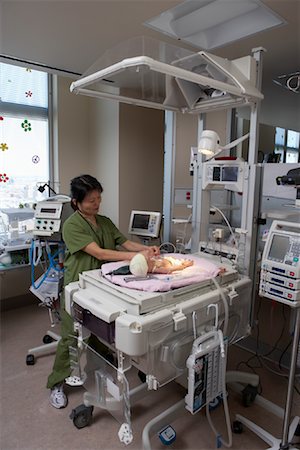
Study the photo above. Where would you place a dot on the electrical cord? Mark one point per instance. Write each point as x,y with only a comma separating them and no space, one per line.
167,250
261,357
227,223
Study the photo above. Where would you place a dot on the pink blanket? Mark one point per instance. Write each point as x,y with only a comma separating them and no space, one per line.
202,269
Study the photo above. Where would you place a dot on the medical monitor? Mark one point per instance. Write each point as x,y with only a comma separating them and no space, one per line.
224,173
282,249
145,223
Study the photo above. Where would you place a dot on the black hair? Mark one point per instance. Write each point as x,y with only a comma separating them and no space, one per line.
81,186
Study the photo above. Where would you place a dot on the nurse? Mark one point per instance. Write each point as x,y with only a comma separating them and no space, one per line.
91,239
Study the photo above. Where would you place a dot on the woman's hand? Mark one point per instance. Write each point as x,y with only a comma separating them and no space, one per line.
154,250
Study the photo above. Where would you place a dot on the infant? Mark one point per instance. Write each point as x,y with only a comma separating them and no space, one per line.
140,265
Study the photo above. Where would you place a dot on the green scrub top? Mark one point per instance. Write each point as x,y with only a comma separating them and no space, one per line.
77,233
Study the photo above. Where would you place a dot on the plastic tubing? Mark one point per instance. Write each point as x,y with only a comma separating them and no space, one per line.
226,220
225,303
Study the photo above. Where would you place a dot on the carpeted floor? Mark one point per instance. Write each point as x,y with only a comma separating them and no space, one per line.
28,422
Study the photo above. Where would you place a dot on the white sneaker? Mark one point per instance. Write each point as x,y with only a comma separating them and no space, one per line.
58,398
75,381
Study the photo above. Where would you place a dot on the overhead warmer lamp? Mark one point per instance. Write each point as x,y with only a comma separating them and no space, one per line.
209,143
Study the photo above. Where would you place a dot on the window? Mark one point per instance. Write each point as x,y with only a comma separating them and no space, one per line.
287,145
24,135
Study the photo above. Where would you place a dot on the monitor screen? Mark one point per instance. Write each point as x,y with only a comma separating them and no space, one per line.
279,248
48,210
230,173
141,221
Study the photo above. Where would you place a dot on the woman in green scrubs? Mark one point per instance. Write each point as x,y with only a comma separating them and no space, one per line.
91,239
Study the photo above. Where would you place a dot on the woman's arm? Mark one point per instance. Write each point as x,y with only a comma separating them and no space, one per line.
137,247
93,249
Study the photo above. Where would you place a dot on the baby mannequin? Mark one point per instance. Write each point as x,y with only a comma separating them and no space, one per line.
140,266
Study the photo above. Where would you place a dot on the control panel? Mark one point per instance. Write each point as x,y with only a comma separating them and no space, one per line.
228,174
50,215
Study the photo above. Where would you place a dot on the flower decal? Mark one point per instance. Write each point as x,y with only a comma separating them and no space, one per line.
26,125
3,146
3,177
28,94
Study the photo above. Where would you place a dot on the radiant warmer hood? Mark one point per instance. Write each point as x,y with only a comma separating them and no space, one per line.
155,74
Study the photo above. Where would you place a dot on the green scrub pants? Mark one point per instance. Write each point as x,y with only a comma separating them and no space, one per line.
61,367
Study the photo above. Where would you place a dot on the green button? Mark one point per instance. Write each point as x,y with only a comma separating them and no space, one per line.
296,259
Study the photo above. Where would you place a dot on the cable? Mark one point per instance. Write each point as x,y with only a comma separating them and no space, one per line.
227,222
166,244
226,308
183,235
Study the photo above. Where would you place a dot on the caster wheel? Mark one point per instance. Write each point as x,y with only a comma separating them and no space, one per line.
237,427
82,416
30,360
248,395
47,339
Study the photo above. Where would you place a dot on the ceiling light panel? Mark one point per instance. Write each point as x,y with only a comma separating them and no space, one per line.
208,24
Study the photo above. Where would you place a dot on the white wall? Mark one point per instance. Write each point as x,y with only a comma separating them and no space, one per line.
126,155
73,135
104,153
141,161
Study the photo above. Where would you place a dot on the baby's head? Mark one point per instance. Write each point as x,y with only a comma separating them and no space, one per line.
138,265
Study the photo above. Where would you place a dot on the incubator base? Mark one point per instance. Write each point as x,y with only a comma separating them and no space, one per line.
152,332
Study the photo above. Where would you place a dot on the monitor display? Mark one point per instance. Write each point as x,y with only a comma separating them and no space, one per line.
145,223
279,248
141,221
48,210
230,173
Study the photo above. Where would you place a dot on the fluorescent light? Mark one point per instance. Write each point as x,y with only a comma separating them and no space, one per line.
209,24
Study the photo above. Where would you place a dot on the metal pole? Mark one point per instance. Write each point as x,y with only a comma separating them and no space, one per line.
169,162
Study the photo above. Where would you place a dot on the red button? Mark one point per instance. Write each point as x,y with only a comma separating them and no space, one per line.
292,274
289,295
291,285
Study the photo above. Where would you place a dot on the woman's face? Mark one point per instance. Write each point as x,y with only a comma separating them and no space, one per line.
90,204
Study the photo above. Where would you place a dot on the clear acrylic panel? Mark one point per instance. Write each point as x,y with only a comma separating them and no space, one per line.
106,387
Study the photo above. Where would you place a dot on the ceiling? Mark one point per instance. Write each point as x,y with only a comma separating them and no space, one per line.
72,35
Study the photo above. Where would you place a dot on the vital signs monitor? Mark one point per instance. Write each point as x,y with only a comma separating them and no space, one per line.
145,223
